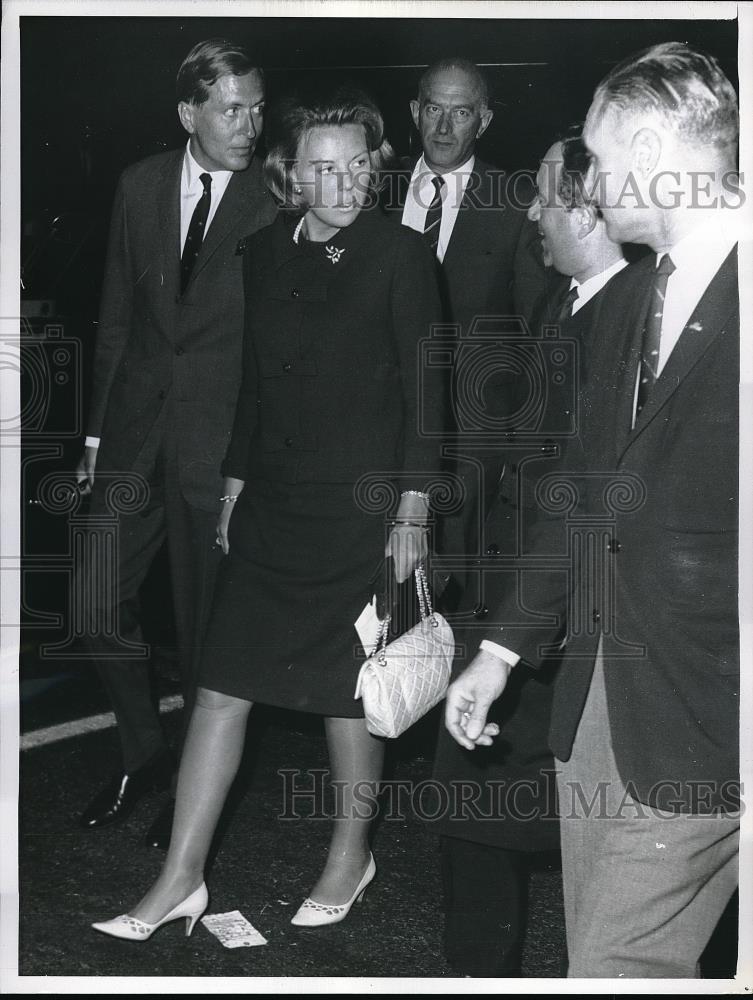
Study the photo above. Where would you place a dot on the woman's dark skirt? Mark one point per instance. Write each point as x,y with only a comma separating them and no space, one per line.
303,563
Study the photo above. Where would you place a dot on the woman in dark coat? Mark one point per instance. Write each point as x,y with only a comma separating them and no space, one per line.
337,302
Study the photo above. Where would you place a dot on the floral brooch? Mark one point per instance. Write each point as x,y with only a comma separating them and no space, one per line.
334,254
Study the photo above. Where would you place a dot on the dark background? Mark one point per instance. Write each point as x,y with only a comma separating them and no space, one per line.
97,93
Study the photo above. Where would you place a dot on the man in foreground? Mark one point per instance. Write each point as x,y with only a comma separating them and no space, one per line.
645,716
166,378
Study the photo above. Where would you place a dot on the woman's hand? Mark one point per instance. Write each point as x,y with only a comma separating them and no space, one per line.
223,522
408,546
232,489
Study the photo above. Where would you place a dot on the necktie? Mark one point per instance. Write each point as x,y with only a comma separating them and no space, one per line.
649,371
565,310
434,214
195,233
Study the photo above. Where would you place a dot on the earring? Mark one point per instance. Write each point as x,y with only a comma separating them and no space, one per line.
297,189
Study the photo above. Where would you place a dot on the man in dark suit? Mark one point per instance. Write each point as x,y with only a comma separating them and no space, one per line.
645,713
166,377
489,264
472,214
506,794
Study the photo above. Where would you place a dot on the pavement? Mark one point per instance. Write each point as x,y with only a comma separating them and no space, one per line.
264,861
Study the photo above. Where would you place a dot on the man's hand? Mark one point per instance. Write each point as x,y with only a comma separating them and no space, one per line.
470,697
85,469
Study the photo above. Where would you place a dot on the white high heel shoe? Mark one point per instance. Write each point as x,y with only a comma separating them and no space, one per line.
313,914
132,929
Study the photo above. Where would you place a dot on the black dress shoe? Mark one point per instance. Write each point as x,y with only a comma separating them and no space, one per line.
158,834
119,798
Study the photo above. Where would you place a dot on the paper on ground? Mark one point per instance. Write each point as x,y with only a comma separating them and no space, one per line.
232,930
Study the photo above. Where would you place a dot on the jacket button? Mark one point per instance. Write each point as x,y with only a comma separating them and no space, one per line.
287,366
596,616
481,611
614,546
288,442
295,293
493,549
179,351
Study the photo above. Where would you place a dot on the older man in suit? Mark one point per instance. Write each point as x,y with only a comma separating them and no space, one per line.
506,793
473,216
166,378
645,714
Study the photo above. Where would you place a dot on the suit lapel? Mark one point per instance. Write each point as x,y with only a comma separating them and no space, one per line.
464,234
707,322
240,204
626,351
168,201
612,341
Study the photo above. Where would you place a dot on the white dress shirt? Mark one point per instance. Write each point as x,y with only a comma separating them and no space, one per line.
421,193
697,257
588,288
191,190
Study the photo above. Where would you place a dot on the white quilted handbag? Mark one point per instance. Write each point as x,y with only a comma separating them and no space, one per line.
403,680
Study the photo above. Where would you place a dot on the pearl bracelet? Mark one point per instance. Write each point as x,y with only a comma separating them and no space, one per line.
229,499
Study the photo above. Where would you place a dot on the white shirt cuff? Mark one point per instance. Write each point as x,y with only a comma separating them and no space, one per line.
501,651
91,442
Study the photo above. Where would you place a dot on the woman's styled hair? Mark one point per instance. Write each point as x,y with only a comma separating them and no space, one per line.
208,61
294,118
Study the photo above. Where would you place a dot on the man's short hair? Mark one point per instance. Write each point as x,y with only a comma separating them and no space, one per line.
571,187
684,87
294,117
208,61
465,66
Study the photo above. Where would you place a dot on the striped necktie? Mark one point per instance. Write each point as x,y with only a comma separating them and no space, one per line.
434,214
565,309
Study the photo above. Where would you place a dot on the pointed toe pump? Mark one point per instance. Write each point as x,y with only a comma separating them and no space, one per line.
313,914
131,929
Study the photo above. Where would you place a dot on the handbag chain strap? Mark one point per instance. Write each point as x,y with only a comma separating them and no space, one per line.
424,596
424,604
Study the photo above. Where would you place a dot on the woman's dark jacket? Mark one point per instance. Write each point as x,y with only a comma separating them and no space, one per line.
334,380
